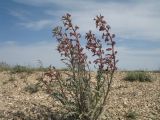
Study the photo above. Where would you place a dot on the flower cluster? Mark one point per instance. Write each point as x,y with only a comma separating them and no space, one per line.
69,44
107,56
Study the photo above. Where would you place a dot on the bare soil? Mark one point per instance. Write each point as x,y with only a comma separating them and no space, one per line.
127,101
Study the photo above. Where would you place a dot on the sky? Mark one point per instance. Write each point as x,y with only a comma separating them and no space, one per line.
26,29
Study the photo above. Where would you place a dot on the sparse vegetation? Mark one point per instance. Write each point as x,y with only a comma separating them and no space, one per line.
141,76
131,115
21,69
32,88
4,66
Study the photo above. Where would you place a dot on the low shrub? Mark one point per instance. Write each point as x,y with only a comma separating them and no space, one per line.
131,115
138,76
32,88
21,69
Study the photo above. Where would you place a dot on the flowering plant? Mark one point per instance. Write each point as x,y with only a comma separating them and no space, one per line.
74,90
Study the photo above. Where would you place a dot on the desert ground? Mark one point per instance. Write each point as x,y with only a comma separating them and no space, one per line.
20,99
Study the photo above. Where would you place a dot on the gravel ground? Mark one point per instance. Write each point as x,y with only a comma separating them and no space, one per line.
127,101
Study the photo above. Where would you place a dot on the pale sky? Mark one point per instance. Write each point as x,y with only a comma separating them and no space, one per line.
26,25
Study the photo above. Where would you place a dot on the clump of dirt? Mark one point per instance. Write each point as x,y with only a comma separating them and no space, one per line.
127,101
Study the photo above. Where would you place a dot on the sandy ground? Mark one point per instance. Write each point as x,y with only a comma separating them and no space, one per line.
127,101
